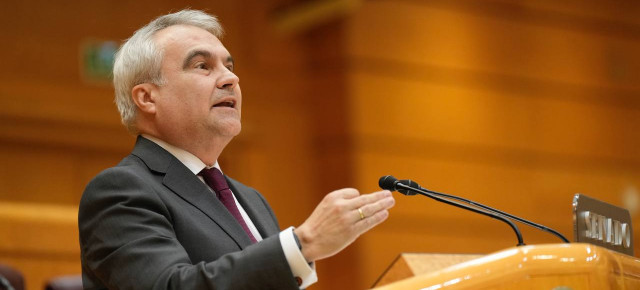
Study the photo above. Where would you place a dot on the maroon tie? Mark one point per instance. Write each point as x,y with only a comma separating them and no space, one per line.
214,178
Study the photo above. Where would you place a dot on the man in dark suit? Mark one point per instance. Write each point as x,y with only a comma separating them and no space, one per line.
166,217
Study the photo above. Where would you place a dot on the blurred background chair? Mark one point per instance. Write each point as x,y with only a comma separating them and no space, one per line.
10,278
71,282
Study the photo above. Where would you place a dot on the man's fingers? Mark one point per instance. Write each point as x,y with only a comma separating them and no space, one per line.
372,208
372,221
345,193
366,199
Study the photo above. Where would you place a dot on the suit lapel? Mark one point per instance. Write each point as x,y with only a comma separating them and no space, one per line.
255,208
184,183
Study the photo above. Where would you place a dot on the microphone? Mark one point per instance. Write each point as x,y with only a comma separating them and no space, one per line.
391,183
414,184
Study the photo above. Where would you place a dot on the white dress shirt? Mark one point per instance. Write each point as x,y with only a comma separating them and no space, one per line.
298,264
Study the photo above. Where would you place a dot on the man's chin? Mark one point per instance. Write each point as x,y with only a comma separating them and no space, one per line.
230,130
237,132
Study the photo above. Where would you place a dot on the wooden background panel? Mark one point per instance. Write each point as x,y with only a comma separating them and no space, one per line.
46,37
48,173
454,36
515,106
50,101
412,111
35,181
618,11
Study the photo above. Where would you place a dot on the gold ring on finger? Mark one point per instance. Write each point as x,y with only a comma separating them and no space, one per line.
361,214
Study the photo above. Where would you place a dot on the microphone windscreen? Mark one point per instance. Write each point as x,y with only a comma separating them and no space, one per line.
388,182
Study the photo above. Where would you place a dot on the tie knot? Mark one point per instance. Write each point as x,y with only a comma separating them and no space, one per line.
214,178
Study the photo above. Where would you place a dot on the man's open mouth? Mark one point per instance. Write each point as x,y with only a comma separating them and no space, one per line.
229,104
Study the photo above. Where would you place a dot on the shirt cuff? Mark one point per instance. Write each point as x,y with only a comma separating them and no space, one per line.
304,272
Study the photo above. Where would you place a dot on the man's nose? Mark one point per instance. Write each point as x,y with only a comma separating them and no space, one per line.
228,80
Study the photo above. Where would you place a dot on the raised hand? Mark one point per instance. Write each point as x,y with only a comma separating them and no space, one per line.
341,217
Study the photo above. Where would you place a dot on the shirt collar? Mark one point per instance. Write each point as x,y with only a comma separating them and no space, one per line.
189,160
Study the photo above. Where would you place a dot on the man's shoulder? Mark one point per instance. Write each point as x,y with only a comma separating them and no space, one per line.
129,176
139,162
130,165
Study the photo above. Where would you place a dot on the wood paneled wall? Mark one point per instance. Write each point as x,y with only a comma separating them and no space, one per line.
518,105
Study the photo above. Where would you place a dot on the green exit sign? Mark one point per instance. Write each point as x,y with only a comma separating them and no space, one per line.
96,60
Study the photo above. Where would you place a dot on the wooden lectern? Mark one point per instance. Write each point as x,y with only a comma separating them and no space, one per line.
553,267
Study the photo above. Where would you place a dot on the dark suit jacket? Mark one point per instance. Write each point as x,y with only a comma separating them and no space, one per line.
150,223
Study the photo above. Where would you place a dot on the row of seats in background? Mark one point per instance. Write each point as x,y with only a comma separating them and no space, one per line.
12,279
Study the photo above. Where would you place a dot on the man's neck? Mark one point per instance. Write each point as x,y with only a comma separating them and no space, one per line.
208,156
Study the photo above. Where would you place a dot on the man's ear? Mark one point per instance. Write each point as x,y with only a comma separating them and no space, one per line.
144,96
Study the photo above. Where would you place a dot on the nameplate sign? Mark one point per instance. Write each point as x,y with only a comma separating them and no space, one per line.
599,223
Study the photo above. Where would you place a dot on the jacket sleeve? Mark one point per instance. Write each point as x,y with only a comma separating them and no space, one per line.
127,242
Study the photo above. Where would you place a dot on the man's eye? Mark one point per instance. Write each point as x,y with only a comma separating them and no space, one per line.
230,68
202,66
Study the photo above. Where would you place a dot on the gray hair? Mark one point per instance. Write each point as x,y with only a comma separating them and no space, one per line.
139,60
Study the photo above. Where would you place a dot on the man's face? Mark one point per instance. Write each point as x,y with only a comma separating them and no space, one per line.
200,98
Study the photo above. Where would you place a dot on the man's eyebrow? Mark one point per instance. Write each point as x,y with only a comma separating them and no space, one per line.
194,53
230,60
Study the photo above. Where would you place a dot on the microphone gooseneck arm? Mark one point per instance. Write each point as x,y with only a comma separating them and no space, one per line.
391,183
524,221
